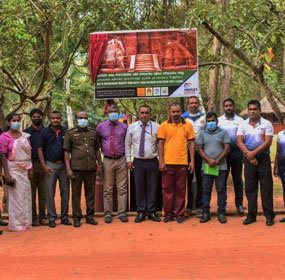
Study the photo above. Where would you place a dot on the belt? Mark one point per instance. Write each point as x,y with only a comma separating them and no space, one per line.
147,159
115,157
56,161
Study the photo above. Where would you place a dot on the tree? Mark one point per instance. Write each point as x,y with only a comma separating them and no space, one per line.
256,27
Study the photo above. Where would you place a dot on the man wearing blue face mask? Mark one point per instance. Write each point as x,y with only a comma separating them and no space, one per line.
112,135
81,151
214,145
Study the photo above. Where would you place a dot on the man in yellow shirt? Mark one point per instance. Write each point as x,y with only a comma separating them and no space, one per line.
175,136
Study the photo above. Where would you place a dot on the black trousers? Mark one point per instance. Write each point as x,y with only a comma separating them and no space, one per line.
88,177
198,200
234,162
146,182
261,173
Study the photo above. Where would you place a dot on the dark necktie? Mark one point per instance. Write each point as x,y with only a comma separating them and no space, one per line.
141,150
112,140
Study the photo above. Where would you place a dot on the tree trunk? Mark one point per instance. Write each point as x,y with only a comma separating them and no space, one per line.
213,80
226,78
269,96
258,93
68,108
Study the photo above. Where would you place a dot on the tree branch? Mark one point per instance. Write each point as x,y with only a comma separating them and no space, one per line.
228,45
252,76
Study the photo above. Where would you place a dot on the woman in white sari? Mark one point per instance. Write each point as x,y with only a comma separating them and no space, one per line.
16,158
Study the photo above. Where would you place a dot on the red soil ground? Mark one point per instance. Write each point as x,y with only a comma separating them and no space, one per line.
148,250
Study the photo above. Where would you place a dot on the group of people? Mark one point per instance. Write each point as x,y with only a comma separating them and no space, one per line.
183,147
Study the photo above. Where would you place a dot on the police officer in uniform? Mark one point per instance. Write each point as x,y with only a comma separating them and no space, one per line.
81,151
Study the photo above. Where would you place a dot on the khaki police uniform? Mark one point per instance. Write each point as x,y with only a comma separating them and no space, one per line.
82,144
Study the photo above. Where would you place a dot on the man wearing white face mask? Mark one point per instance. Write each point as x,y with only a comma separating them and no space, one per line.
82,143
112,135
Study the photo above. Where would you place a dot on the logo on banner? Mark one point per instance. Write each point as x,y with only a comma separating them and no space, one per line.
188,89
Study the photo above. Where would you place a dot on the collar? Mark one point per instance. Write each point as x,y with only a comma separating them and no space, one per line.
113,123
211,132
187,115
231,119
51,129
182,121
147,124
35,130
78,128
259,122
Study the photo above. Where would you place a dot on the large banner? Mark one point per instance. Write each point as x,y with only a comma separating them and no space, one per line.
148,63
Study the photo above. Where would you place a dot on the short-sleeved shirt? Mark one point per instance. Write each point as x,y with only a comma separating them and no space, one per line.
231,126
176,138
281,141
213,145
198,123
254,136
82,143
52,143
34,139
133,138
103,131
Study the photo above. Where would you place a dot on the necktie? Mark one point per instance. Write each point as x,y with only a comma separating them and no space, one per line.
141,150
112,140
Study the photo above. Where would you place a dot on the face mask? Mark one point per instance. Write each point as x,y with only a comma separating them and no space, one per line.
113,117
37,122
212,125
15,125
82,123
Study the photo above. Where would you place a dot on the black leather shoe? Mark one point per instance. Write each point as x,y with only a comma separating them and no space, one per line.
51,224
240,210
269,222
2,223
140,218
222,218
76,223
249,220
66,222
108,219
153,217
124,218
205,218
92,222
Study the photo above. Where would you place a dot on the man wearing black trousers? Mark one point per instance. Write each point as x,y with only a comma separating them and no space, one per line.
230,122
142,135
254,138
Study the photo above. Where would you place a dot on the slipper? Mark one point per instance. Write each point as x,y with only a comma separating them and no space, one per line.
282,220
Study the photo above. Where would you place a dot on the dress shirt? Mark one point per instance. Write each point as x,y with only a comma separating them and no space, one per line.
231,126
103,131
52,144
133,138
34,139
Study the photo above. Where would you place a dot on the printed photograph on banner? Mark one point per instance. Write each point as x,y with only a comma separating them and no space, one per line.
140,91
148,92
164,91
156,91
149,59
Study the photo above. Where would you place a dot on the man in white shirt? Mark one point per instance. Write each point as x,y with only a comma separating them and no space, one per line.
198,121
230,122
254,138
142,135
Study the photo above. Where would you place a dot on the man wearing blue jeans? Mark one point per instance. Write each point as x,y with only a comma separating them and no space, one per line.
213,146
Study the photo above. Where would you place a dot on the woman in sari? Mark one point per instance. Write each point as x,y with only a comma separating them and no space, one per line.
16,158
